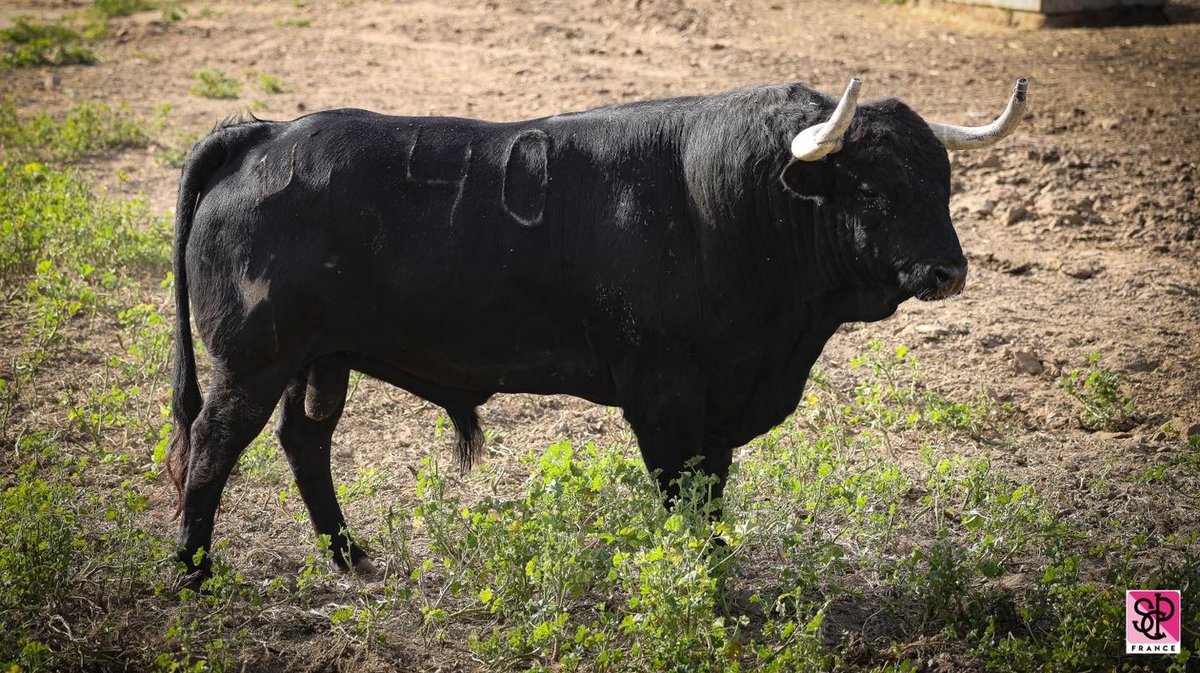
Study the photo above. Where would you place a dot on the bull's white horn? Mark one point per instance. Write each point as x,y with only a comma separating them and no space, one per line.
818,140
974,137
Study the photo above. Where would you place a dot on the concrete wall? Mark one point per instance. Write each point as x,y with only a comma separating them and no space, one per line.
1061,6
1050,13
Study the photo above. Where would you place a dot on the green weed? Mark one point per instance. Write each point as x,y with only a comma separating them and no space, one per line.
174,155
29,43
270,83
146,338
261,460
171,157
582,567
536,570
49,220
87,128
1098,389
110,9
889,402
212,83
101,409
63,551
172,12
64,252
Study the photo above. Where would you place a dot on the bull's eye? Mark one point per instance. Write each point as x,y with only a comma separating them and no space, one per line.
868,190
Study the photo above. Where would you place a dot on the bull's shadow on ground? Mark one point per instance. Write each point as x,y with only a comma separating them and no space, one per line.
1178,13
863,625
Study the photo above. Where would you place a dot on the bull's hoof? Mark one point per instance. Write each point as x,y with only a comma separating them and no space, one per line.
347,555
363,568
193,581
191,575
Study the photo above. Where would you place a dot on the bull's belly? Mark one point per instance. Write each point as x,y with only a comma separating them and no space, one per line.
491,358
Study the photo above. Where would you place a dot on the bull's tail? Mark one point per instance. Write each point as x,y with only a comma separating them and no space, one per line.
469,436
206,157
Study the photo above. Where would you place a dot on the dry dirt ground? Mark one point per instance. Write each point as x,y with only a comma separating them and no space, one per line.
1081,229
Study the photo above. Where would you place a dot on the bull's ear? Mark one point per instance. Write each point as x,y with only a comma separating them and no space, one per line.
807,179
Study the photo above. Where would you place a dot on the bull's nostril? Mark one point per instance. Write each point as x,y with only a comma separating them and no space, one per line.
950,279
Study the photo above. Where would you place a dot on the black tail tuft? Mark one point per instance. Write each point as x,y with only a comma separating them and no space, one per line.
469,435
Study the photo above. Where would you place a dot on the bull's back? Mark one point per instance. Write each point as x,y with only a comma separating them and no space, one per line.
433,243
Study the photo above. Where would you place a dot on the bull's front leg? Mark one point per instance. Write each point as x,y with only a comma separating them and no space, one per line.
663,399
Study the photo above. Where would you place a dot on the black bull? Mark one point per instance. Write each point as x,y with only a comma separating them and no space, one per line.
670,258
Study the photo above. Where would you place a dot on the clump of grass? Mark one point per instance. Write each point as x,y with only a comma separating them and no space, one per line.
582,565
293,23
65,548
29,43
171,157
47,214
110,9
76,547
270,83
212,83
891,401
1098,389
175,154
87,128
172,12
65,252
261,460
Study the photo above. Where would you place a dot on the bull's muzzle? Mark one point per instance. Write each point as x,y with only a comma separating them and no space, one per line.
947,281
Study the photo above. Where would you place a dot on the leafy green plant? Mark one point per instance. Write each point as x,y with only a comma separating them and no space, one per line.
889,402
149,341
261,460
585,528
582,567
270,83
110,9
101,410
171,157
48,214
172,12
212,83
62,549
65,252
206,632
29,43
1098,389
87,128
175,154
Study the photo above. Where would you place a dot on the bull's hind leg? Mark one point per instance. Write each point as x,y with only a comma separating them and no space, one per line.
234,413
312,406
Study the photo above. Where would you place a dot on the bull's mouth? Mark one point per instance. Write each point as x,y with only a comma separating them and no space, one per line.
934,282
868,304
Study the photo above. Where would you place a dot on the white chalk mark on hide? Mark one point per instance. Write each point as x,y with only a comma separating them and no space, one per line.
462,184
265,174
460,170
526,178
254,292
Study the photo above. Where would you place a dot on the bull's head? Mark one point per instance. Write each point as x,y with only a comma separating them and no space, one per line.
882,174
